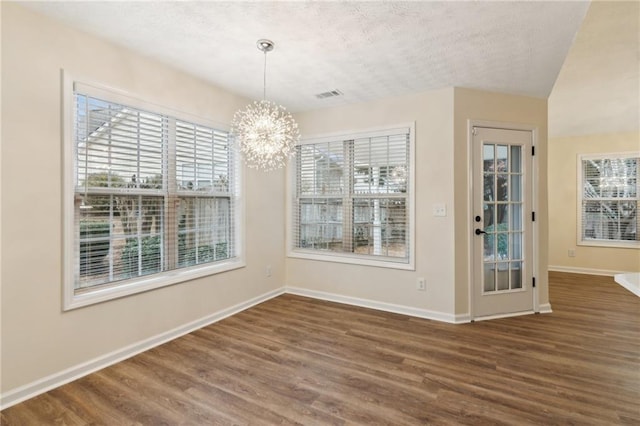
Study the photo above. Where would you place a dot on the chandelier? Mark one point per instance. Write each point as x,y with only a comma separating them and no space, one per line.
266,132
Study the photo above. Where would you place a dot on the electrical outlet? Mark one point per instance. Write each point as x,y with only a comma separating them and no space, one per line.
421,284
439,209
571,253
268,270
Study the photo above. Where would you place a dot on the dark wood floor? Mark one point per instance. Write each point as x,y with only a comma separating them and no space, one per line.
294,360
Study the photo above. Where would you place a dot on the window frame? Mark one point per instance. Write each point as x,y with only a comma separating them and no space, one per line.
346,257
71,298
580,199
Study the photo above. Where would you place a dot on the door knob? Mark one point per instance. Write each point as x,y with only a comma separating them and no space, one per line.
480,231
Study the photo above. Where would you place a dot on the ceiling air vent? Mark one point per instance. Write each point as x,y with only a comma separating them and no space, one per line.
329,94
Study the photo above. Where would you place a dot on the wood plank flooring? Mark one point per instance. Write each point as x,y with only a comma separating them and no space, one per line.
294,360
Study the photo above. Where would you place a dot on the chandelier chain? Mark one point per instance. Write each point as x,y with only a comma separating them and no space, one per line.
264,78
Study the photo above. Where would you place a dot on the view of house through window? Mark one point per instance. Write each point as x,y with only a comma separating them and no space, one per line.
152,193
609,199
352,196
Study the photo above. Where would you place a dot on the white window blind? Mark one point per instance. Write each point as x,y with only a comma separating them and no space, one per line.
352,196
609,199
153,194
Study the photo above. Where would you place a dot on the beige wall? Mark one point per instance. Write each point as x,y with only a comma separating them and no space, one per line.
563,196
479,105
38,339
433,116
442,243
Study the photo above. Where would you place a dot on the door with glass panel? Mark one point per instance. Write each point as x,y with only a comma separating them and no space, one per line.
502,222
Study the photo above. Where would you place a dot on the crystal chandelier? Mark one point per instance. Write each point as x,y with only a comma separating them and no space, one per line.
266,132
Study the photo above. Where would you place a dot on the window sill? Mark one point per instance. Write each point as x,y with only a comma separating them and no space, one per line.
142,284
610,244
353,259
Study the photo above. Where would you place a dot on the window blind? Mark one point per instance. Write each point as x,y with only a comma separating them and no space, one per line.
352,195
153,193
609,198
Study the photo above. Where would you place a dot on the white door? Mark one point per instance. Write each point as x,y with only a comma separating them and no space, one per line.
502,222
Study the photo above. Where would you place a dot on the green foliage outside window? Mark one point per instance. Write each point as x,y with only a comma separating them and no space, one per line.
92,253
149,256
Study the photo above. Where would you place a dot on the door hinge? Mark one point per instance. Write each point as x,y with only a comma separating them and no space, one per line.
533,216
534,281
474,131
533,150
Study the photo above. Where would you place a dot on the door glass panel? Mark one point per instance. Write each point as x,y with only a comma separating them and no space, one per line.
502,161
516,275
502,188
503,217
515,158
489,277
503,276
516,245
489,187
516,188
503,245
488,216
487,154
489,244
516,217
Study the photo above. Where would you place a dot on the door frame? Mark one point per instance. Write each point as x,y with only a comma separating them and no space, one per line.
534,167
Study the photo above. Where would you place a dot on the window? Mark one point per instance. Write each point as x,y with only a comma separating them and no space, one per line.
154,199
608,205
353,199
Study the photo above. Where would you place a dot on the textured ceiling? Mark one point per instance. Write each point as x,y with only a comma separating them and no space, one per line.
367,50
598,89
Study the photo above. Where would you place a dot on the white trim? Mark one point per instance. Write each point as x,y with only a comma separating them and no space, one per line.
498,316
619,244
380,306
68,194
351,259
545,308
45,384
470,215
535,227
586,271
462,318
139,285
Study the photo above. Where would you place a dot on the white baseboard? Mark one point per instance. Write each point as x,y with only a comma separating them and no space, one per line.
507,315
545,308
45,384
381,306
462,318
586,271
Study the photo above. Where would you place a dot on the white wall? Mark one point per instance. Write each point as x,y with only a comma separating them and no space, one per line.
38,339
